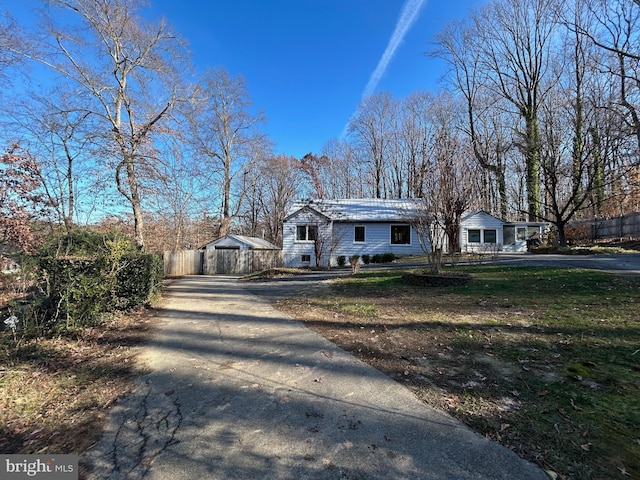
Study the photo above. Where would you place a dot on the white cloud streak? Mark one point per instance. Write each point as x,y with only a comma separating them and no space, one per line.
408,15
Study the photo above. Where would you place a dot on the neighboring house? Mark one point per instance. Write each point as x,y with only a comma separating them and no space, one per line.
482,232
239,242
326,229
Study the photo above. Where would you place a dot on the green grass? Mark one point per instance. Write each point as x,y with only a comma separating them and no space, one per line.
571,336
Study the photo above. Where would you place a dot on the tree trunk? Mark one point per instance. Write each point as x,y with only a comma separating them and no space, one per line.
136,205
532,158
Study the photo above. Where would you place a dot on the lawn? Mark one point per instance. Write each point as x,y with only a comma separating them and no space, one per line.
545,361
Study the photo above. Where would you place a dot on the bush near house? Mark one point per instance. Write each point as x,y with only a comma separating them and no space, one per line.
383,258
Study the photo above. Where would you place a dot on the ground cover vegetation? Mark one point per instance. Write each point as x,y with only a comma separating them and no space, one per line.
545,361
71,314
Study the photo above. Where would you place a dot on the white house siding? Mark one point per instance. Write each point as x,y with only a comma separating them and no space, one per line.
293,249
336,221
481,221
377,240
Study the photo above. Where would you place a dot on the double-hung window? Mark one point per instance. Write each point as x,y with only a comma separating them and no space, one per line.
306,233
359,234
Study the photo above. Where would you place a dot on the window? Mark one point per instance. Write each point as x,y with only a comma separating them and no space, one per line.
358,234
400,235
305,258
490,236
473,236
306,232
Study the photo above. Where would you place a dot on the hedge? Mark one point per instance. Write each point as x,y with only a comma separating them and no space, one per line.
79,291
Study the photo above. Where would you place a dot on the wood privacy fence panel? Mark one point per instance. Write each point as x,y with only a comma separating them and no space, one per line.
184,262
617,227
216,262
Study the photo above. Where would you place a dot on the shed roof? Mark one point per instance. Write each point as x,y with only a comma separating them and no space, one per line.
362,210
253,243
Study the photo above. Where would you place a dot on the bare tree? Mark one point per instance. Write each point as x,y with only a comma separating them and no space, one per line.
515,38
343,176
313,167
226,133
371,128
277,180
126,70
614,27
416,134
450,184
460,45
61,133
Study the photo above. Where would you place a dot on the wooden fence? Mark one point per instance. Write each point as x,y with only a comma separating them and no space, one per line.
218,262
625,226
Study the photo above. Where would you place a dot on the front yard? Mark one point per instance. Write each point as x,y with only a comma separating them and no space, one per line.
545,361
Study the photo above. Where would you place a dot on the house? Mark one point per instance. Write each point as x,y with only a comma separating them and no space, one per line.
239,242
483,232
317,232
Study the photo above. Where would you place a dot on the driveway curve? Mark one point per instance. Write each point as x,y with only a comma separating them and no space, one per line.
237,390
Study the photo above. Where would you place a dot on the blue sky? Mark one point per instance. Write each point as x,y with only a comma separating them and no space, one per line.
307,62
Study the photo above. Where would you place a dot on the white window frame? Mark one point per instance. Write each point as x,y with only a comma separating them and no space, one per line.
479,230
307,229
484,232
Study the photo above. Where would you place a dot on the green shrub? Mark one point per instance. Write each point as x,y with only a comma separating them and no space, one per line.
366,259
388,257
342,261
377,258
79,288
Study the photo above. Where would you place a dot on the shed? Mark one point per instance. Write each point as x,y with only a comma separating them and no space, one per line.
239,242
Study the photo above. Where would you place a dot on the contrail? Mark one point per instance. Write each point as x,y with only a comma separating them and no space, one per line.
408,16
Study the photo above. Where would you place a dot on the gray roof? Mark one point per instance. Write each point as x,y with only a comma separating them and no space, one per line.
254,243
363,209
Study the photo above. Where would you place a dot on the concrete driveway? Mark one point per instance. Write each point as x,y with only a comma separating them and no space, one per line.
236,390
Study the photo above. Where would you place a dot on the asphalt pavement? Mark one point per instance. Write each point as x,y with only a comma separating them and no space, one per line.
237,390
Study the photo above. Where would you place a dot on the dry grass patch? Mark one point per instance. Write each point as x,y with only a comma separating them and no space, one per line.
55,393
545,361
